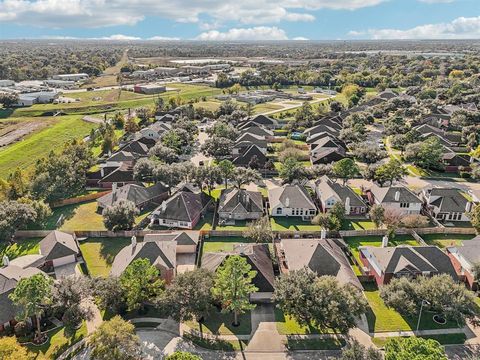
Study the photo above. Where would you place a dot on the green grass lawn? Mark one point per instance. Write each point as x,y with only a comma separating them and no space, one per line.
223,244
221,324
289,326
224,345
57,343
99,253
444,240
82,216
382,319
292,224
25,153
20,248
444,339
354,242
205,223
240,225
357,224
315,344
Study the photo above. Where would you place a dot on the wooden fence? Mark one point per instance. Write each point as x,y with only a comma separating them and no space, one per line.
80,199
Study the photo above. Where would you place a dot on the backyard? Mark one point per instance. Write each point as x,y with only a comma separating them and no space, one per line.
445,240
292,224
20,248
222,244
99,253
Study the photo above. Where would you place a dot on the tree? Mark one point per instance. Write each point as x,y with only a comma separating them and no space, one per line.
414,348
356,351
31,296
120,215
327,221
131,126
217,147
320,302
414,221
169,174
474,217
368,152
14,216
67,295
163,153
189,295
144,169
10,349
392,218
345,169
209,176
226,170
17,185
114,339
182,355
233,286
118,120
242,176
42,211
108,293
426,154
291,169
391,171
8,99
260,230
377,215
140,283
223,129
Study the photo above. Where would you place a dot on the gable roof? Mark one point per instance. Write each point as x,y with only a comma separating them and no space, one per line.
180,237
387,194
295,195
121,156
328,188
182,206
58,244
257,130
449,200
233,200
322,256
136,147
123,173
161,254
411,259
253,150
264,120
319,154
257,255
138,194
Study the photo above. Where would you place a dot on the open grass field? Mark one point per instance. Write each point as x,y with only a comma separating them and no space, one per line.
57,343
292,224
25,153
99,253
355,242
20,248
222,324
383,319
445,240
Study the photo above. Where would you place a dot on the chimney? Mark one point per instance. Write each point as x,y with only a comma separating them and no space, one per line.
385,241
347,205
134,241
287,202
323,234
397,195
468,206
6,260
114,187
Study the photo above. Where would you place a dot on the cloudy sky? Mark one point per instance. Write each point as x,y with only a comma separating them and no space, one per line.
225,20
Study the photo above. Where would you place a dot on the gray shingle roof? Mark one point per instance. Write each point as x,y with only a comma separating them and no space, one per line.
295,195
322,256
233,200
387,194
449,200
58,244
327,188
138,194
182,206
181,237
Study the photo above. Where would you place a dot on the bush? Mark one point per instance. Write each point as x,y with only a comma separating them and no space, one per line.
22,328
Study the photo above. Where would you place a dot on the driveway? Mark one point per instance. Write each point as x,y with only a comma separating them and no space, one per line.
199,156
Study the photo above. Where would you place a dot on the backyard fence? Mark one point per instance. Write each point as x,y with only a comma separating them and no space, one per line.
80,199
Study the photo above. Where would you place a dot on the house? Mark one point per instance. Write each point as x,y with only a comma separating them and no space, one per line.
326,141
258,131
387,94
136,147
322,256
10,275
120,175
385,263
395,197
455,162
447,204
71,77
330,192
183,210
265,121
59,248
164,251
327,155
321,128
318,136
138,194
240,204
258,257
154,131
464,257
246,140
291,200
253,156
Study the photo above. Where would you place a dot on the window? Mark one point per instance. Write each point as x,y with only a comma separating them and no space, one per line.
404,205
312,212
279,211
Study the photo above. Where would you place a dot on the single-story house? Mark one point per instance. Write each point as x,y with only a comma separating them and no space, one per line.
322,256
396,197
385,263
183,210
291,200
327,155
240,204
140,195
447,204
330,192
120,175
264,121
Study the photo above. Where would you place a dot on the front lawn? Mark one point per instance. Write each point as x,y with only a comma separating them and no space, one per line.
99,253
445,240
382,319
219,323
20,248
286,325
292,224
57,343
444,339
354,242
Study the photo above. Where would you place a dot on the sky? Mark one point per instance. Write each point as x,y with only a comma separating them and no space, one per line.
228,20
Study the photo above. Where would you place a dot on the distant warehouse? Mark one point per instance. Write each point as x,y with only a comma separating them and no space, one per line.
71,77
149,89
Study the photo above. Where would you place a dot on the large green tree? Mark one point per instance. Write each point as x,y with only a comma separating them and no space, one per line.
414,348
10,349
260,230
32,295
233,286
120,216
115,339
140,283
345,169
